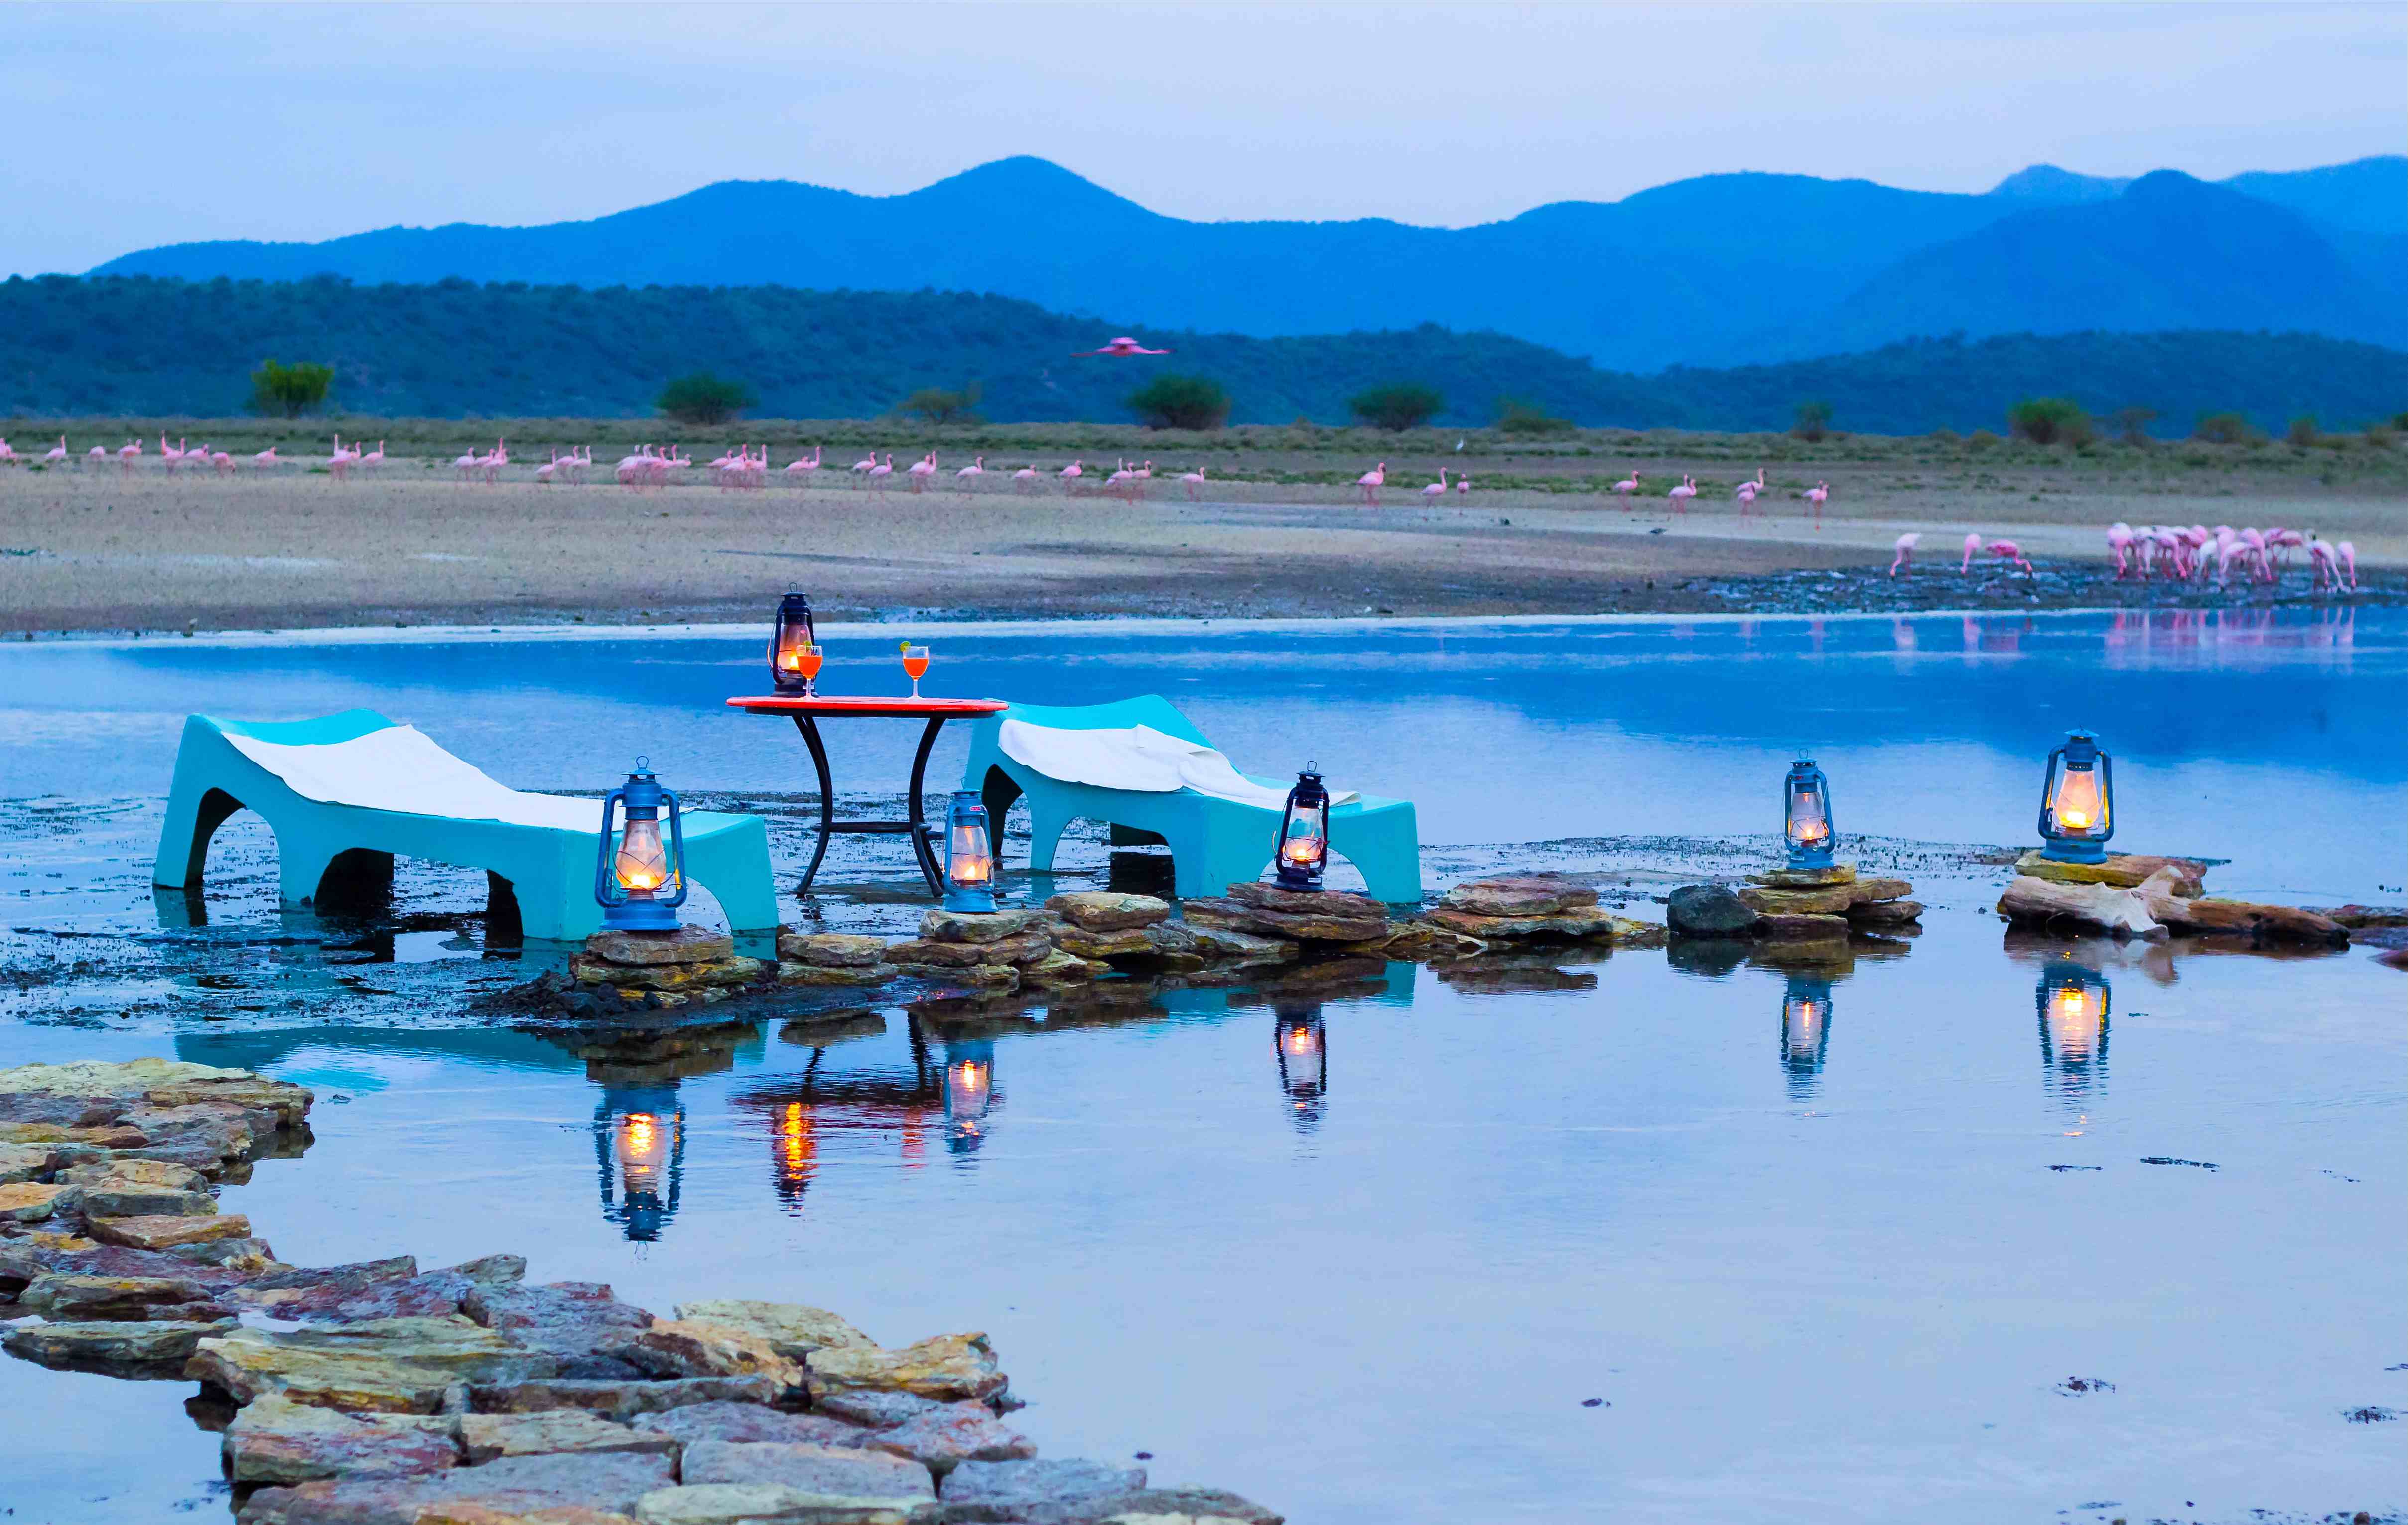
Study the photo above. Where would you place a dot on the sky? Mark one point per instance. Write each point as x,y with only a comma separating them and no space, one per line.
130,126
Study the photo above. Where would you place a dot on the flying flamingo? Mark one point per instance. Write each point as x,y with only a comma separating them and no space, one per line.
57,454
1625,487
1122,346
1070,474
1194,479
921,470
1436,490
1682,493
1819,495
879,472
968,473
1026,478
1370,482
1903,554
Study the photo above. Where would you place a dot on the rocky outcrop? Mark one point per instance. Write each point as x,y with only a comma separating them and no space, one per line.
948,1368
793,1329
2122,871
272,1440
1103,911
511,1488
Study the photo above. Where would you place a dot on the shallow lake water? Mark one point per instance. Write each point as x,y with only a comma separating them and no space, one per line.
1366,1252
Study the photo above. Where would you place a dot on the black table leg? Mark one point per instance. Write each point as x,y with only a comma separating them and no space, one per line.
920,847
827,800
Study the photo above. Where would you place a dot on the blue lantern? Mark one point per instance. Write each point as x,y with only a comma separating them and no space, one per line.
969,855
640,879
2077,801
1304,832
1806,816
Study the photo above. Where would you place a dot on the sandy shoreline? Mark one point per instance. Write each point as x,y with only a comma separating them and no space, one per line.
105,551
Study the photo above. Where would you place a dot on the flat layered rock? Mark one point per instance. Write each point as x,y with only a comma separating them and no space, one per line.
166,1232
1190,1507
572,1319
1061,968
620,1398
981,977
1806,879
727,973
512,1487
430,1296
72,1299
1631,933
385,1367
943,1436
1339,918
1271,897
875,1408
110,1344
944,926
835,950
486,1437
1116,943
948,1368
1870,891
2028,901
1521,895
2206,916
835,1472
30,1201
1418,941
1223,945
99,1078
1886,913
692,1347
275,1441
1098,910
146,1201
864,977
24,1163
2355,918
793,1329
1578,923
130,1175
1832,901
1792,928
772,1504
1020,948
687,945
111,1136
287,1103
752,1422
2123,870
1037,1492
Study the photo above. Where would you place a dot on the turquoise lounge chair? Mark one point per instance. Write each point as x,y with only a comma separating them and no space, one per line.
347,793
1214,841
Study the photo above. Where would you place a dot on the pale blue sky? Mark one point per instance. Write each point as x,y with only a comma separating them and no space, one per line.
133,125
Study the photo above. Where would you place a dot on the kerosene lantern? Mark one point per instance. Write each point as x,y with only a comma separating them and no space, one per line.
1806,816
639,878
794,646
2077,801
1304,832
969,855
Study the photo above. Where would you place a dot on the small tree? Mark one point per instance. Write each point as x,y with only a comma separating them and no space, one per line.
1172,401
703,398
1399,404
286,392
2304,432
1521,420
2050,420
2221,428
939,406
2132,423
1980,439
1812,423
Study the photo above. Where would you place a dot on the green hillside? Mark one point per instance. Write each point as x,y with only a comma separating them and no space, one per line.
145,346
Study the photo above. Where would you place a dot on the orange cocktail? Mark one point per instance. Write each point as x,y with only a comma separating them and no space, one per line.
915,666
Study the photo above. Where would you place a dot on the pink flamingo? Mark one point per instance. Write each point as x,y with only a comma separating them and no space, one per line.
8,456
867,464
1973,549
127,454
466,465
339,464
1682,493
1436,490
801,466
1750,489
1194,479
1025,478
1625,487
1902,553
2255,541
1463,486
921,470
543,473
2119,542
2007,550
1140,478
374,457
57,454
968,474
1370,482
98,455
267,460
223,462
172,454
1071,473
492,464
2346,557
880,472
1119,478
2229,550
1819,494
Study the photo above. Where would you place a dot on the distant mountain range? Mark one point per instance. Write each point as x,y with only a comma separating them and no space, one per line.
1718,270
152,348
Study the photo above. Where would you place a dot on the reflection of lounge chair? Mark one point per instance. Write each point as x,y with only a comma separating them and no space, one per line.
1142,766
347,793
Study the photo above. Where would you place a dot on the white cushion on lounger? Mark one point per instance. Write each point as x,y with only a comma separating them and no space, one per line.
1137,758
401,769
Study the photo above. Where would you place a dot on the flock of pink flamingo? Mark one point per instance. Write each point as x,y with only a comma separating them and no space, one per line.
183,452
2184,554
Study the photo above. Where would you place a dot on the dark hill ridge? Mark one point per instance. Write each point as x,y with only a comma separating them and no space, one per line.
1718,269
139,346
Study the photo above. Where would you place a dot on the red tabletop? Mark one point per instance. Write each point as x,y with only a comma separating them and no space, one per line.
901,707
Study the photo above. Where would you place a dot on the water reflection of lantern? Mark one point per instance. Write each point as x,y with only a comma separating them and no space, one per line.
2077,801
1301,1044
640,1146
794,1139
969,855
794,646
2074,1003
1806,815
1805,1031
1304,832
639,878
969,1090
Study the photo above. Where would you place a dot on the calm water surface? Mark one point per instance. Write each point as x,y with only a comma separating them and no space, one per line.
1364,1256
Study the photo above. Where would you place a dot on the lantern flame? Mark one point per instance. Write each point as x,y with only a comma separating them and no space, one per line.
2077,803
